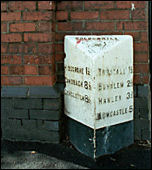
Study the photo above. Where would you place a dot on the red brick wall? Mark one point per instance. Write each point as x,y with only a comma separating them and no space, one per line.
27,55
33,34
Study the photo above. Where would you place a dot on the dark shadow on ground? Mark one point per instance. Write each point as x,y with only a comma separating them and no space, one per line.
132,157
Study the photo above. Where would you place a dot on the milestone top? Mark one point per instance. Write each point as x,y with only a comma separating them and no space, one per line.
94,45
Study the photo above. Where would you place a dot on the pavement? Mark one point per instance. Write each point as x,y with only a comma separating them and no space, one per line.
23,155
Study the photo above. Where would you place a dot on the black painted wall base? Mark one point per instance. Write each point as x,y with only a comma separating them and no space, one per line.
108,140
31,114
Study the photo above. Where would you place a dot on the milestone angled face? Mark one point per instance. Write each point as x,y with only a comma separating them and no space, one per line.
99,79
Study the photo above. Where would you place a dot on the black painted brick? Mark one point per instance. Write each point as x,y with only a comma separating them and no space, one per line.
44,92
142,129
6,107
14,91
60,87
39,123
137,131
45,114
6,103
19,114
141,102
28,103
13,134
14,123
146,134
143,113
31,92
142,124
51,125
143,91
52,104
23,134
49,136
136,113
141,108
135,90
60,78
29,124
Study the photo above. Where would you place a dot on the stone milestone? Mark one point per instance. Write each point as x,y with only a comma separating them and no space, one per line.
99,79
98,96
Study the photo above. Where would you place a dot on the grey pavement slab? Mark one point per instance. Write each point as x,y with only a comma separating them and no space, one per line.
23,155
30,160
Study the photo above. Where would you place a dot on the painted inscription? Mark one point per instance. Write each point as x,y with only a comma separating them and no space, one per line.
116,85
79,70
101,86
109,72
99,79
78,96
122,111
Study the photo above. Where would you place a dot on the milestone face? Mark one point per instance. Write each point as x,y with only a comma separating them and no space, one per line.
99,79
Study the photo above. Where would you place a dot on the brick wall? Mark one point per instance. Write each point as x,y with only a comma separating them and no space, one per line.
105,17
27,43
32,37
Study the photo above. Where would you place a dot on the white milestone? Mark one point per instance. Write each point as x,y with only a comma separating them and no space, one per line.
99,79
